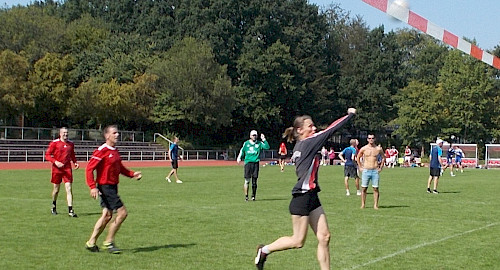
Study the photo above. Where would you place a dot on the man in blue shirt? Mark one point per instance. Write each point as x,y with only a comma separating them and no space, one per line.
173,154
348,157
435,166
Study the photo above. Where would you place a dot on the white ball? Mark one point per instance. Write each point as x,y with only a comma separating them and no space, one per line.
402,3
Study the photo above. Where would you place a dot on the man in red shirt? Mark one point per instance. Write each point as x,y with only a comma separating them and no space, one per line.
61,153
107,162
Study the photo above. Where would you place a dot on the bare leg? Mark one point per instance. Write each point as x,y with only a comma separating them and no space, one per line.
298,238
363,197
346,183
429,182
436,181
69,193
245,187
356,181
319,224
121,215
100,225
375,198
55,192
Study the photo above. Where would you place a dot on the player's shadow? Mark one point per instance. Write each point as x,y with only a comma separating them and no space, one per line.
393,206
451,192
154,248
89,214
273,199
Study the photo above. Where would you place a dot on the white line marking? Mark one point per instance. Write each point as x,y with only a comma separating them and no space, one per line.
423,245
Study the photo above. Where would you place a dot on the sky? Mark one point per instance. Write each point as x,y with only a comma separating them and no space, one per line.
474,19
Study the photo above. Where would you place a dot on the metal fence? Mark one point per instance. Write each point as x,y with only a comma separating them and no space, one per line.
23,155
34,133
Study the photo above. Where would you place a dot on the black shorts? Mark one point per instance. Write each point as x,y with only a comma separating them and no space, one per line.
251,170
435,171
175,164
303,204
351,171
109,197
282,157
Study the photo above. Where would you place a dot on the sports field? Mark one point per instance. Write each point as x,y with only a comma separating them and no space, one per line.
205,223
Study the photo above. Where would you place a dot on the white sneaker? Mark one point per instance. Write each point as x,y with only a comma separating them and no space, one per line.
452,175
347,193
358,192
168,179
178,182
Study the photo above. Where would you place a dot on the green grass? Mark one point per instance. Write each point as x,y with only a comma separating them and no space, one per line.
204,223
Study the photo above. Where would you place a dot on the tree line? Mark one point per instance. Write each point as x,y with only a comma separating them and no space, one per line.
210,71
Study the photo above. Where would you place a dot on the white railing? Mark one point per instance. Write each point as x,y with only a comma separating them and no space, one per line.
23,155
37,133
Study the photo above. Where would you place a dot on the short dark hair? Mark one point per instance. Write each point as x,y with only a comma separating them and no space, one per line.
107,128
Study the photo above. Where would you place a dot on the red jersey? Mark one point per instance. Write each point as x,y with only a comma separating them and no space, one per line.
282,149
63,152
407,152
107,162
387,153
393,152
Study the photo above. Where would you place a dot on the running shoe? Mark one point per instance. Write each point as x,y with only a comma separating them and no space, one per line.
91,248
72,214
435,191
111,248
178,182
168,179
53,211
261,257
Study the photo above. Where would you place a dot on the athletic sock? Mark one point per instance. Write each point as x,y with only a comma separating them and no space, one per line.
54,204
70,209
265,249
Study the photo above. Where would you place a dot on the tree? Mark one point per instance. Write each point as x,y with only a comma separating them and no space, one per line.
469,94
15,97
31,32
194,91
83,105
50,84
372,81
420,113
267,92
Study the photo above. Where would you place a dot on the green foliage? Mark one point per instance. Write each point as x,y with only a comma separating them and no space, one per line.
211,70
372,81
31,31
15,97
469,92
50,84
420,118
193,88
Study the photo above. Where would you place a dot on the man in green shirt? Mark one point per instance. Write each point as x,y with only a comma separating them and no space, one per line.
251,153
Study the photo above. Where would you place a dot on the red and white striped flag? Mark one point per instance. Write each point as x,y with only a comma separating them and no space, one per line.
407,16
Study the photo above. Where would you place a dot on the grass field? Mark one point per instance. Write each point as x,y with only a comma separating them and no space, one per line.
204,223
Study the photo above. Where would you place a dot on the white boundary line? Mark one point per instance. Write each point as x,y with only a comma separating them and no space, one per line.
423,245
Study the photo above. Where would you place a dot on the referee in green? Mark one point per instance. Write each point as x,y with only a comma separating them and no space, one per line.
250,152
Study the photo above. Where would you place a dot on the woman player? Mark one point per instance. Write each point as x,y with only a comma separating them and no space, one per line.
305,206
282,152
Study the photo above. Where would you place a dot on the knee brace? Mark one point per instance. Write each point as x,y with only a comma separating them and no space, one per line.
245,185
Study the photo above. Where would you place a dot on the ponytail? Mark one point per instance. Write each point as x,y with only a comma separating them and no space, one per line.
291,133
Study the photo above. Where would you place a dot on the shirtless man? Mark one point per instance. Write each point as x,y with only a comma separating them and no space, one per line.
369,163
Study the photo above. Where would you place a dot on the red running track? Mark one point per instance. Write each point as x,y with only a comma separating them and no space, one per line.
186,163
